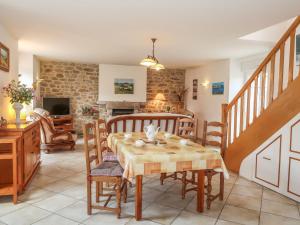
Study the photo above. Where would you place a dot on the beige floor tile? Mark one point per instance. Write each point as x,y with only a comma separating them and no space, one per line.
79,178
59,186
128,209
176,189
274,196
223,222
214,211
143,222
36,195
155,184
7,206
78,192
42,180
160,214
55,219
244,190
56,202
271,219
193,219
106,218
280,209
76,211
243,201
25,216
248,183
240,215
173,200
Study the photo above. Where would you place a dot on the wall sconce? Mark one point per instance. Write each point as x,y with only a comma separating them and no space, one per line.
205,83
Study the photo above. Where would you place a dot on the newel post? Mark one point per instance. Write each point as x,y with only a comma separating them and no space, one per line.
224,114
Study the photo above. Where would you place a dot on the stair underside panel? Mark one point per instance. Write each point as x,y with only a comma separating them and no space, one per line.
283,109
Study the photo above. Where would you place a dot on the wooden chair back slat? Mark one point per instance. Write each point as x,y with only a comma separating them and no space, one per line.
187,128
90,148
219,132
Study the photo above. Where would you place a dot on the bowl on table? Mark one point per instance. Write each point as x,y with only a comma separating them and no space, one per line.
183,141
139,143
127,135
167,135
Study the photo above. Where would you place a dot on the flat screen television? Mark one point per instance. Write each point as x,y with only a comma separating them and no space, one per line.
57,106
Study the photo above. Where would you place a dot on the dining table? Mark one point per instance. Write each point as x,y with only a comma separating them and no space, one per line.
138,156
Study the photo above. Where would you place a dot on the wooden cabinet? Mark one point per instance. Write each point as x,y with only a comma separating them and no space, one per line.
28,152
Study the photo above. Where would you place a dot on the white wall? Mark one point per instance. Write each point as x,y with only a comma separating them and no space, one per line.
107,75
26,68
207,106
236,79
6,77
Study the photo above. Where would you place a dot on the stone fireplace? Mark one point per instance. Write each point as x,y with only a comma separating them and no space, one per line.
110,108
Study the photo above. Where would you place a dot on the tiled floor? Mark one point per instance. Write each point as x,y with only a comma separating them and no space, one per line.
57,196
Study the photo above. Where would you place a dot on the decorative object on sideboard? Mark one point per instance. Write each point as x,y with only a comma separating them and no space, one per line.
218,88
124,86
151,61
4,58
18,94
195,89
3,122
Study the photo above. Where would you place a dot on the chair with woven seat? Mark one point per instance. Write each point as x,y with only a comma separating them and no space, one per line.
104,151
187,129
106,171
214,137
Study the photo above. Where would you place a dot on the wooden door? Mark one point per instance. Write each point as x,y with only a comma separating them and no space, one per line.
28,154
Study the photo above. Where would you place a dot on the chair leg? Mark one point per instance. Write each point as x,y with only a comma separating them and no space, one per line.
193,177
183,190
175,176
118,198
162,178
125,192
89,197
209,189
97,191
221,196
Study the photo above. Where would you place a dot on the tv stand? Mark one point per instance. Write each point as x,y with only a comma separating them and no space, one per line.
64,123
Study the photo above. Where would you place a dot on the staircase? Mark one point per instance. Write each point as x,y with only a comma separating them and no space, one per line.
268,100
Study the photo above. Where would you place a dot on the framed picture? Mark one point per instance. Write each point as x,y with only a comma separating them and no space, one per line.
4,58
298,50
195,88
218,88
124,86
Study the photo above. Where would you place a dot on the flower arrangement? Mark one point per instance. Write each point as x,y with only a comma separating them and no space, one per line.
89,110
18,93
180,94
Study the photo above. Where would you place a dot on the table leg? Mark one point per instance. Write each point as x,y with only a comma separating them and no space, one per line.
138,197
200,190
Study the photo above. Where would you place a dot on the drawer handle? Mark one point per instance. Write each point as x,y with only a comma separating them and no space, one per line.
266,158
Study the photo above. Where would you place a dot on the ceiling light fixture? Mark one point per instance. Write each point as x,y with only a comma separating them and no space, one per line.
151,61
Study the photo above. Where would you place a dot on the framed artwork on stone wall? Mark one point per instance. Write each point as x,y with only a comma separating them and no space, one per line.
4,58
124,86
195,89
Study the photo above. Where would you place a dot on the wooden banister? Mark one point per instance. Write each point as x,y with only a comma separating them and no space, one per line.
260,88
282,40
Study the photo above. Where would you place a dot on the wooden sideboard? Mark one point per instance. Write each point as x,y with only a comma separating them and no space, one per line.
28,153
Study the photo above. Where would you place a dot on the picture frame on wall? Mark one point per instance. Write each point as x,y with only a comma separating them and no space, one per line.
218,88
298,50
124,86
4,58
195,89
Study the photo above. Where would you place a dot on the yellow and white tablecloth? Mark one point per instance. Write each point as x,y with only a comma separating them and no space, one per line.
162,158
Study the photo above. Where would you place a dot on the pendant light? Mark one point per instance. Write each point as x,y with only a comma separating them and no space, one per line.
152,61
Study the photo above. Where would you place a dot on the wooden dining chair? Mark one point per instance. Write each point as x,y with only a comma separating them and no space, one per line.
106,171
214,137
187,129
105,153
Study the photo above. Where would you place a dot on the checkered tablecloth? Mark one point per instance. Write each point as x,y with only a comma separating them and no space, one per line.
162,158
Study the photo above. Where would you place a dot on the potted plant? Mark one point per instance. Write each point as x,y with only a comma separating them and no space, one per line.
18,94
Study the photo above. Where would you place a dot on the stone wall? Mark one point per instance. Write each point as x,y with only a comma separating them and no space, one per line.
77,81
162,87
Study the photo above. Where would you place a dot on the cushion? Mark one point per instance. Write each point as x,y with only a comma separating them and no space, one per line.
110,156
111,169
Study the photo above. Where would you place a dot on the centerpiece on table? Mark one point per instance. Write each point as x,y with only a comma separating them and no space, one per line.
18,94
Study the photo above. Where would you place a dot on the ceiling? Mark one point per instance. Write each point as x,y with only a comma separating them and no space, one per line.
189,32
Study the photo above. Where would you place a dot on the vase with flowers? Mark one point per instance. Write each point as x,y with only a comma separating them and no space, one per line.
18,94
